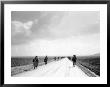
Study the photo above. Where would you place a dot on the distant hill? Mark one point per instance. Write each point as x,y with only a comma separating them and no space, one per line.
97,54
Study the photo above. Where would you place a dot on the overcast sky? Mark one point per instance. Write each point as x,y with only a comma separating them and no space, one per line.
55,33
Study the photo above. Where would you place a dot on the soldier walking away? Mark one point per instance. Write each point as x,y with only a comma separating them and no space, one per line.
58,58
54,58
45,60
74,60
35,62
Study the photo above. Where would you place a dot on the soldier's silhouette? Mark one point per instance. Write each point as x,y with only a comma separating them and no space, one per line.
35,62
58,58
69,58
45,60
74,60
54,58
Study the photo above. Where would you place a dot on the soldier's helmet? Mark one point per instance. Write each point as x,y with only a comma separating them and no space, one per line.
74,55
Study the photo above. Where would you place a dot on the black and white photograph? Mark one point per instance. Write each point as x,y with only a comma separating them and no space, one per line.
56,43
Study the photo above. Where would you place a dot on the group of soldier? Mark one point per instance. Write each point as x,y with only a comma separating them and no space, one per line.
57,58
36,60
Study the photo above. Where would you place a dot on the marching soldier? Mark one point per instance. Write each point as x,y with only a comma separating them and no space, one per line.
45,60
35,62
74,60
54,58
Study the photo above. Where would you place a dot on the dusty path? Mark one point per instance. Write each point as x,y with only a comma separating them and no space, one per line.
61,68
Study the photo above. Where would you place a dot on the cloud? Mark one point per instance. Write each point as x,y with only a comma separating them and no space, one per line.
24,16
37,28
91,29
68,46
20,31
51,25
50,33
76,24
28,25
19,27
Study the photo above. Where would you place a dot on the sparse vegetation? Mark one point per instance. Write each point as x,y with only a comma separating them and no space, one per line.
22,64
92,63
21,61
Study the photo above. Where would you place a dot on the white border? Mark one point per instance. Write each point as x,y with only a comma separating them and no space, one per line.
55,7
